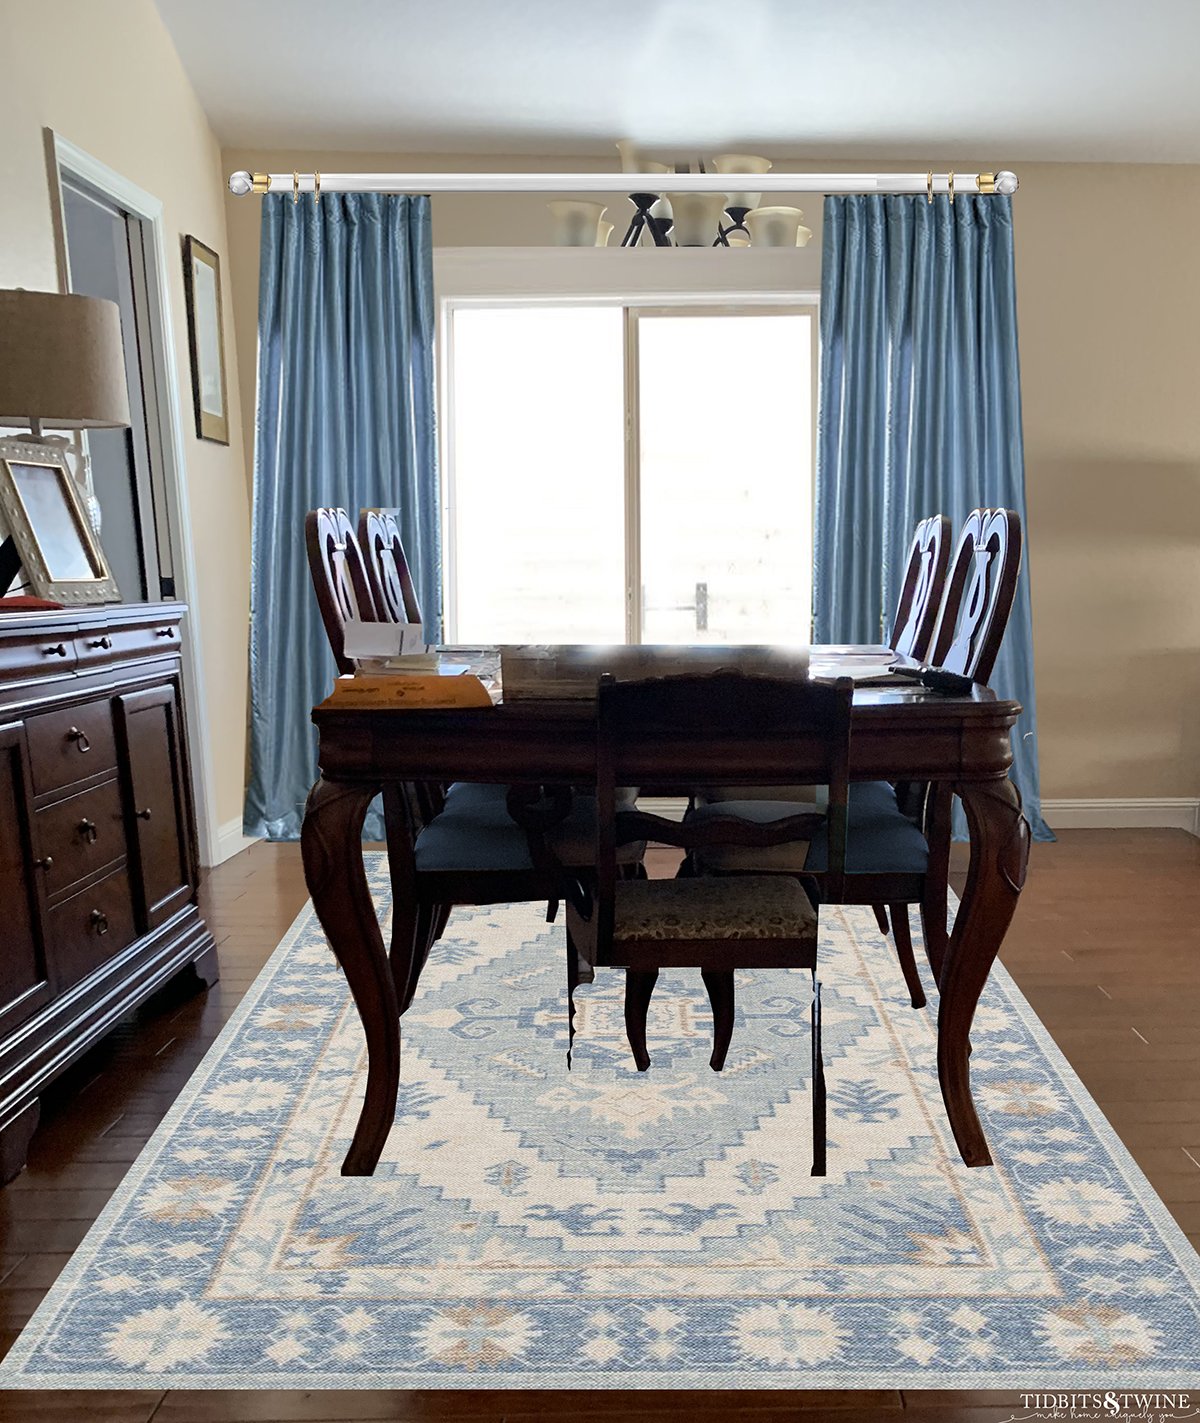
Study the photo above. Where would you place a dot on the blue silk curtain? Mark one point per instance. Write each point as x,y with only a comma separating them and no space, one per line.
920,413
345,417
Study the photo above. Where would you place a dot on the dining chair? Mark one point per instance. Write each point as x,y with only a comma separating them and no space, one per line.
921,588
718,925
896,858
447,846
387,567
340,579
913,627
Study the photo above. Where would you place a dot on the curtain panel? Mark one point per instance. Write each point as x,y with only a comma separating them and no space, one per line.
345,417
920,413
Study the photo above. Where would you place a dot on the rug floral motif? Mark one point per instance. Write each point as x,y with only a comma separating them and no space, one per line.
533,1227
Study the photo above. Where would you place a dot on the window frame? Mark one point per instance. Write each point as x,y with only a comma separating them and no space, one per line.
635,305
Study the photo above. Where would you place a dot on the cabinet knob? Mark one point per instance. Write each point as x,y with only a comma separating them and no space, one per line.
104,642
82,744
45,863
99,921
164,632
87,828
144,814
58,649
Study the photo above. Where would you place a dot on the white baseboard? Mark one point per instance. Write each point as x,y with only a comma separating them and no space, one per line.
669,807
231,840
1130,813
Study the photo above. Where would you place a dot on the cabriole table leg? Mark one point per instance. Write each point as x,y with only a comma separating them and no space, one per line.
331,842
999,858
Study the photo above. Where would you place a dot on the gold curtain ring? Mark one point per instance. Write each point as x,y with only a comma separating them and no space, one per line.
929,186
295,187
950,189
317,187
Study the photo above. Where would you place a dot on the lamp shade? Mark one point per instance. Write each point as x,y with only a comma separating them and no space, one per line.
62,363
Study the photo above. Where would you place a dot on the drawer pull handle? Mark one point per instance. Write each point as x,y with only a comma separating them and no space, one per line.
104,642
87,828
164,632
79,738
99,921
45,863
144,814
59,649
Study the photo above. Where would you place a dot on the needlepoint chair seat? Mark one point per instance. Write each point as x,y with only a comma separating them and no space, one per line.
743,908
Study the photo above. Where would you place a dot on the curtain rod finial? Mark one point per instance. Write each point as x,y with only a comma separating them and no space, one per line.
1007,183
240,183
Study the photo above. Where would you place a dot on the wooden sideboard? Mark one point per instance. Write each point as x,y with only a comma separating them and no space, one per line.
98,867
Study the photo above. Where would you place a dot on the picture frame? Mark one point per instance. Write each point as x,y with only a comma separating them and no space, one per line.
206,340
41,507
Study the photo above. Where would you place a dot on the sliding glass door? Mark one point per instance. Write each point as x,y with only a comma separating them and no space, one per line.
723,475
629,473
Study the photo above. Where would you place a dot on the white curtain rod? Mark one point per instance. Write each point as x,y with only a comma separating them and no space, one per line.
241,183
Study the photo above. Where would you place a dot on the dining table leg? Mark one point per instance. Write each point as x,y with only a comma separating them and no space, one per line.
331,844
999,858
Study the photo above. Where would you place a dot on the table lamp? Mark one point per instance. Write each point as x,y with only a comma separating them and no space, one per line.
62,367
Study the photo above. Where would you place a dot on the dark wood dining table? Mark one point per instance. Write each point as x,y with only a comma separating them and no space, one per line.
899,733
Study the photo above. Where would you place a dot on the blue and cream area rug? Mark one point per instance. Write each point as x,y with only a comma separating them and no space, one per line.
528,1227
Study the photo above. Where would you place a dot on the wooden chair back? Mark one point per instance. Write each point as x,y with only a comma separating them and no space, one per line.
922,588
387,567
339,576
979,593
735,716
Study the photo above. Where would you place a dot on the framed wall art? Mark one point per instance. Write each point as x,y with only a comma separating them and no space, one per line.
206,340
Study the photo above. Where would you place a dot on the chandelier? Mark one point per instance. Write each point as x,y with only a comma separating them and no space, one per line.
673,219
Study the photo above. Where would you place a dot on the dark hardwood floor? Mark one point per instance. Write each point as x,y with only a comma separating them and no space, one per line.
1103,945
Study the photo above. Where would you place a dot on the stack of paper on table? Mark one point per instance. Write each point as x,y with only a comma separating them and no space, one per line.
862,662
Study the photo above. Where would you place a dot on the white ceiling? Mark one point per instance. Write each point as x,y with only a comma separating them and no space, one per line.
1002,81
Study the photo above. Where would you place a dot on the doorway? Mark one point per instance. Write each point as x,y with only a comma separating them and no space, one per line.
106,257
111,241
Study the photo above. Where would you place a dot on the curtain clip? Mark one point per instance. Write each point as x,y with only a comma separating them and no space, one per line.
295,187
950,189
929,186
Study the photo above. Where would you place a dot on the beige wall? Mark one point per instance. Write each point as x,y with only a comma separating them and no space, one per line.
107,78
1109,309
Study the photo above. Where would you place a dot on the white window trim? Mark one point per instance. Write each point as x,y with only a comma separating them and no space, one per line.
466,277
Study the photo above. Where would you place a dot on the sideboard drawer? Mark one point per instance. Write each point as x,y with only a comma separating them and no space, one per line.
80,835
37,654
71,745
90,928
147,640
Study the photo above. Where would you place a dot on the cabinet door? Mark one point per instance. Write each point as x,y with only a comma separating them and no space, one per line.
161,852
24,985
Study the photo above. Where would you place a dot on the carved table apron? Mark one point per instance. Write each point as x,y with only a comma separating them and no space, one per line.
899,734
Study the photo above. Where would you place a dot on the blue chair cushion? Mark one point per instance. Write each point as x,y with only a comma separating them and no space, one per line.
474,832
880,839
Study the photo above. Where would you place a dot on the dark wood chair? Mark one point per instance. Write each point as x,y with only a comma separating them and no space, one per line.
895,858
913,627
446,846
718,925
980,590
387,567
922,588
340,579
